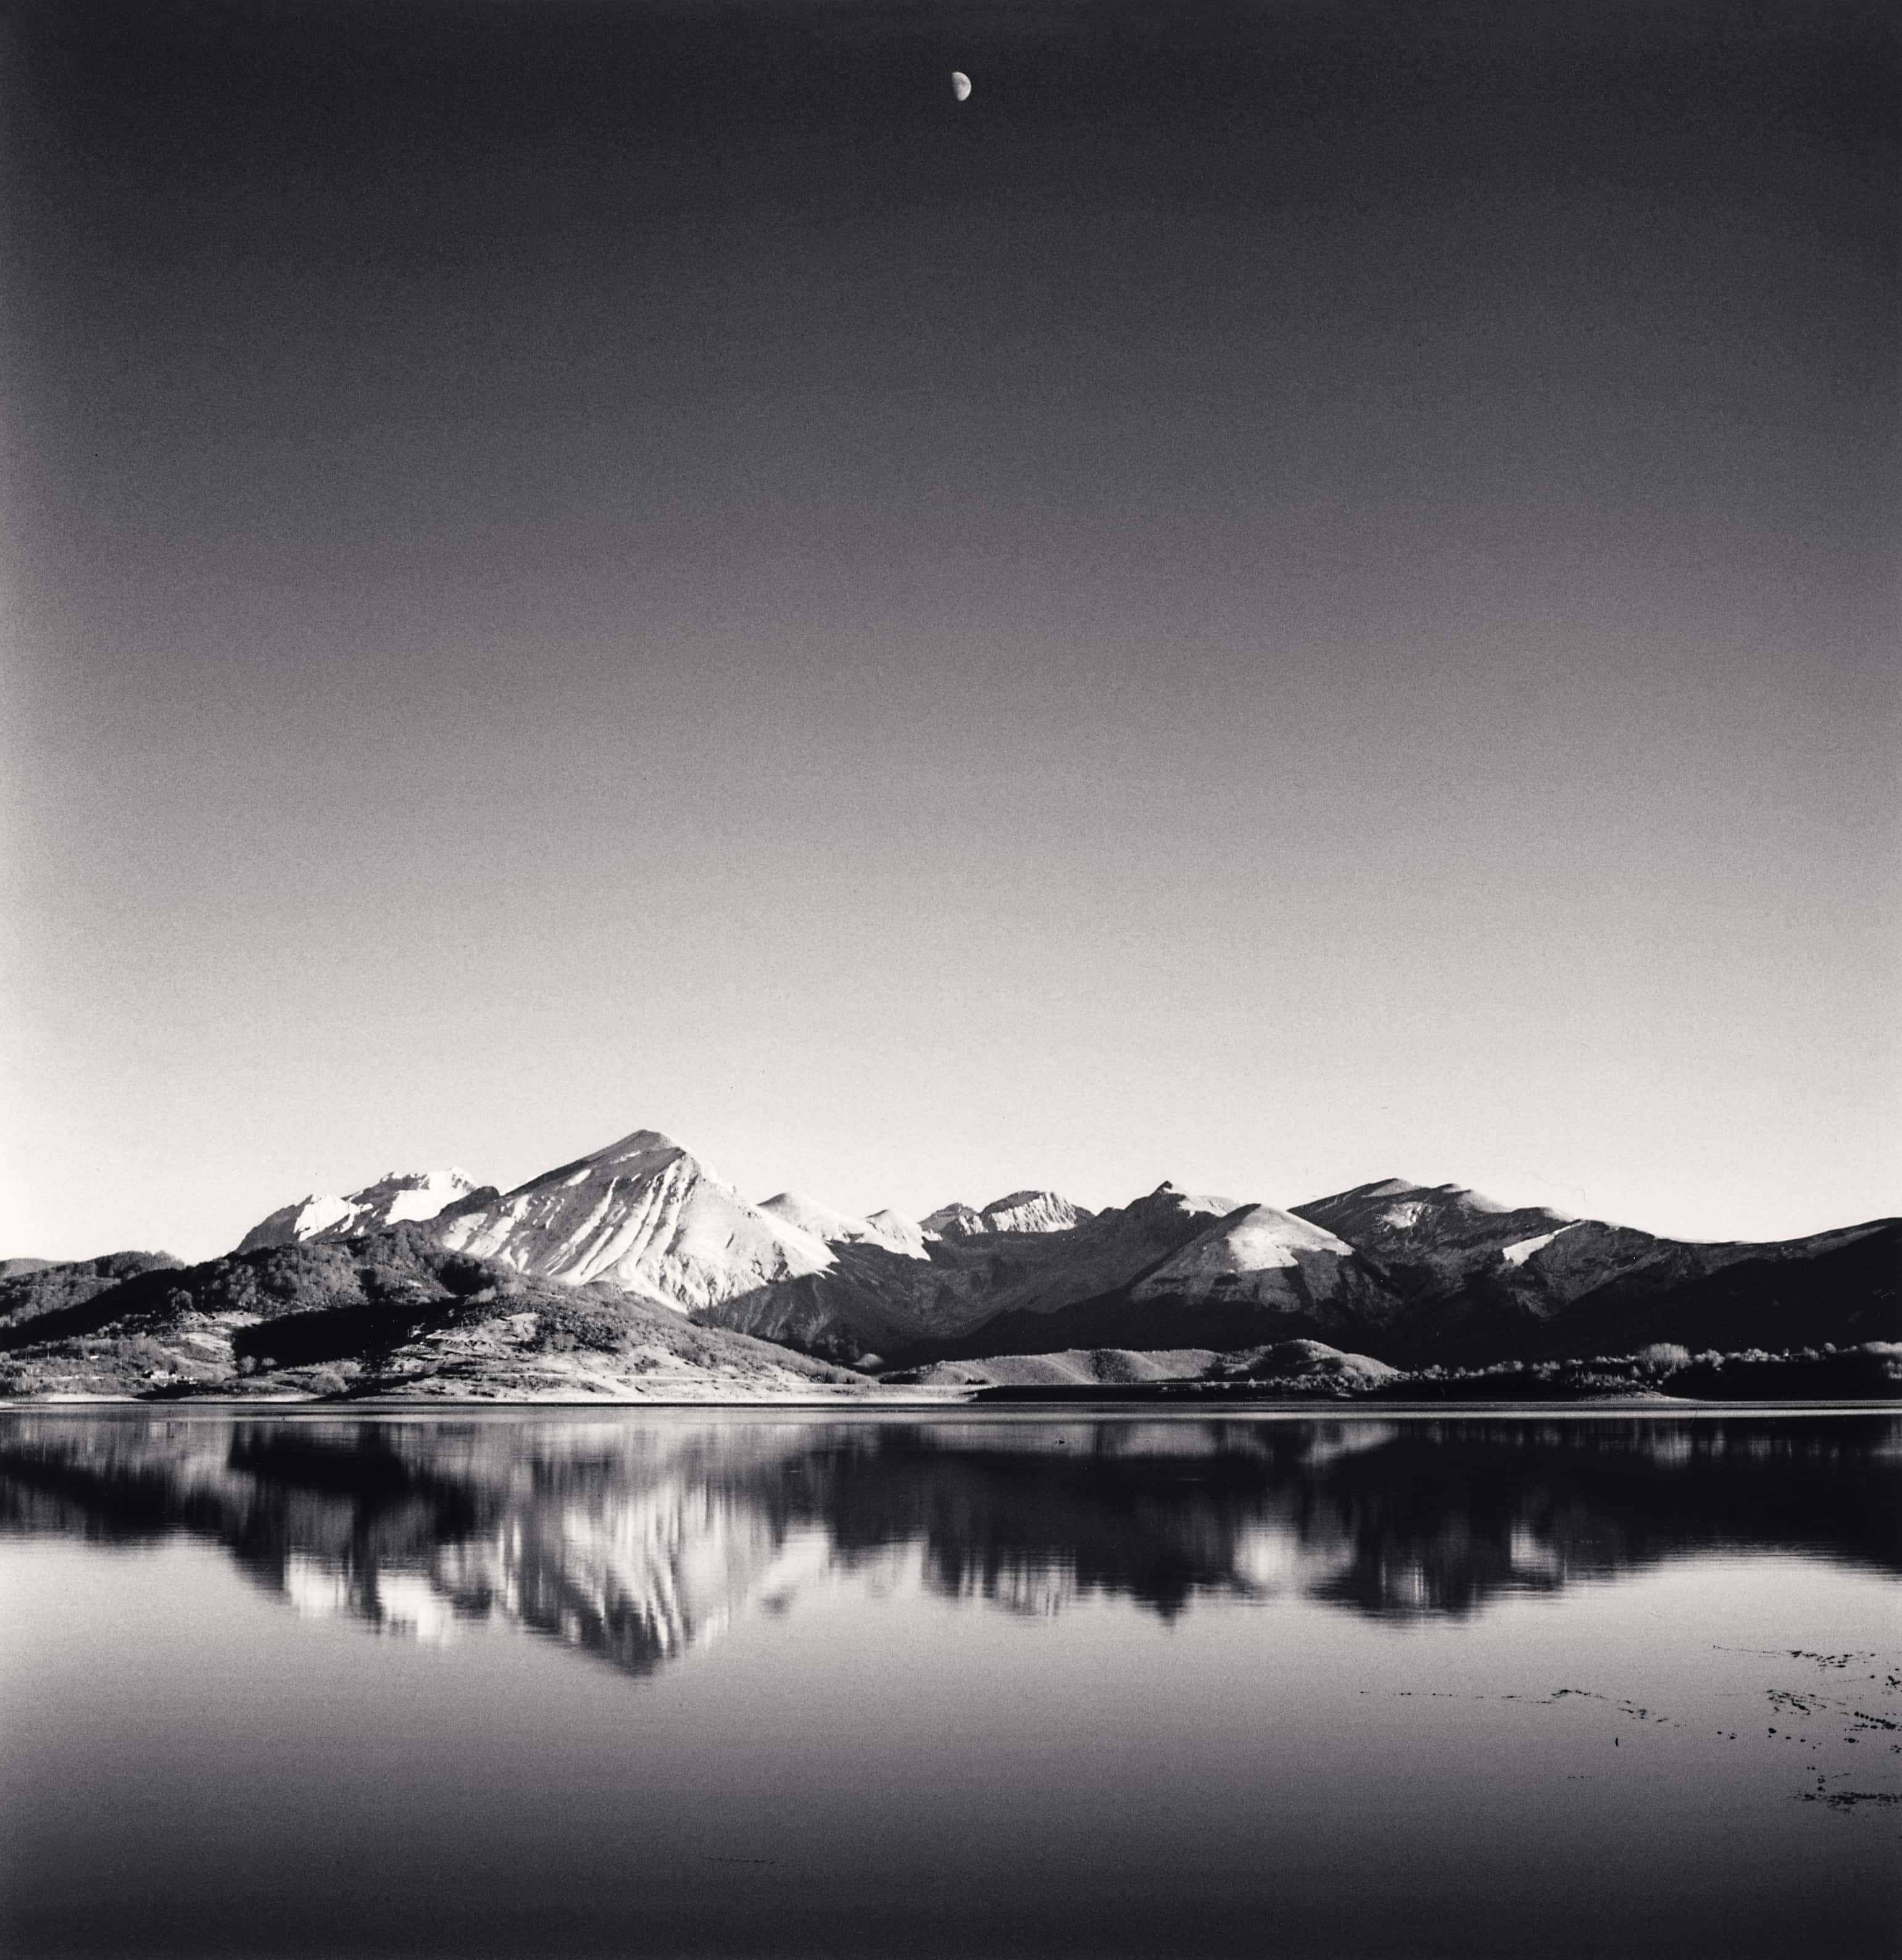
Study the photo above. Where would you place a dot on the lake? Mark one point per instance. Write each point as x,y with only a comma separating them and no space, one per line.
984,1683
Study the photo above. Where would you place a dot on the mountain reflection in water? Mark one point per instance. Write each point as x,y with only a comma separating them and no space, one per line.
636,1537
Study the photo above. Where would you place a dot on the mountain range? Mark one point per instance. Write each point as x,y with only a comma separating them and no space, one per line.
667,1271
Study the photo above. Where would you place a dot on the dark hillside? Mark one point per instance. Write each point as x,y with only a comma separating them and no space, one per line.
391,1313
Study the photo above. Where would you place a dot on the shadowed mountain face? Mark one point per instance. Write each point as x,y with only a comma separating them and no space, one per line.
1132,1277
1483,1282
389,1313
1419,1276
1414,1274
636,1273
637,1539
33,1288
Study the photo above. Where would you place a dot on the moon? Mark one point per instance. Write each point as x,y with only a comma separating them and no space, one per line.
960,84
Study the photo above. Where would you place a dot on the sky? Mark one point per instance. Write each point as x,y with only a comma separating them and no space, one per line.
1290,594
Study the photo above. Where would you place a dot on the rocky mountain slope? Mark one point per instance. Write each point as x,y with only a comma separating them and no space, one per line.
873,1301
1251,1274
1021,1211
1416,1275
1273,1260
391,1313
396,1197
644,1215
1426,1236
1481,1282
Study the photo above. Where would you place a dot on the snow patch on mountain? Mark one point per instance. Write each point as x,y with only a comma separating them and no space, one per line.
1523,1249
1034,1211
396,1197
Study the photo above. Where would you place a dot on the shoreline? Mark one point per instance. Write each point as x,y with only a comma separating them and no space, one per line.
971,1402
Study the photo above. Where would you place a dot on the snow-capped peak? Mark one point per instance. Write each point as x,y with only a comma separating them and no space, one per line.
398,1196
1018,1211
639,1151
1034,1211
646,1215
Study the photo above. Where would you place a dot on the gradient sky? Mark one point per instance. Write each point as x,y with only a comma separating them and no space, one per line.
1291,594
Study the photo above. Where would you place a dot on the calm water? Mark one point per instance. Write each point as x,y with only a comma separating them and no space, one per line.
758,1684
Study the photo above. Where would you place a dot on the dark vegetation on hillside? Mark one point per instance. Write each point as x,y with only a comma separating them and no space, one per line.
46,1288
1844,1296
380,1313
360,1317
1847,1294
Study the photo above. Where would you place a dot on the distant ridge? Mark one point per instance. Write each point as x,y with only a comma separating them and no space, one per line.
1411,1273
1021,1211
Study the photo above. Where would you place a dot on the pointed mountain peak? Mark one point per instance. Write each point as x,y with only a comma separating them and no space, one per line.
1264,1225
640,1146
640,1153
1034,1211
645,1214
642,1140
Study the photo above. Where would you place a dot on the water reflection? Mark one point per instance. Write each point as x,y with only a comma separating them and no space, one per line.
636,1538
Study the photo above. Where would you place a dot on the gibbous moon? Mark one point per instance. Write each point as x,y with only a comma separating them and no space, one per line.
960,84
